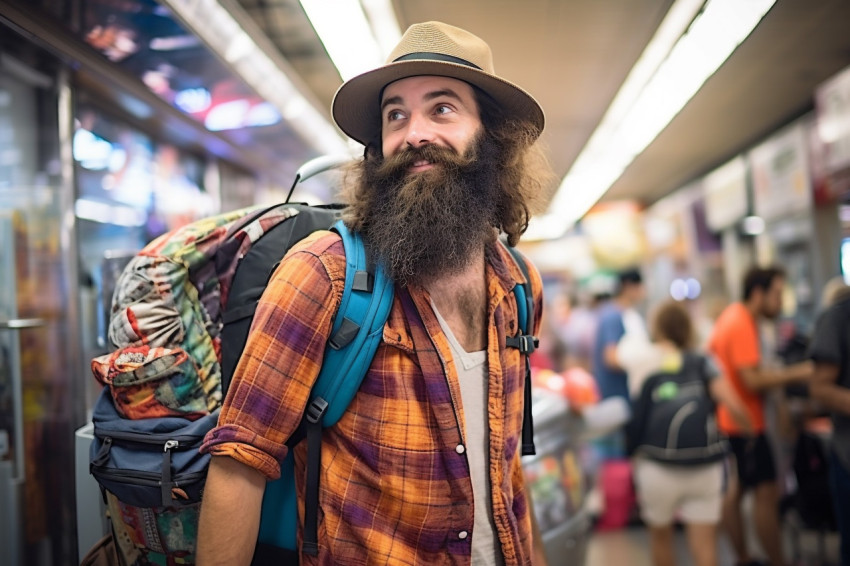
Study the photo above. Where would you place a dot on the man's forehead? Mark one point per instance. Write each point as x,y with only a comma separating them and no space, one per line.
434,83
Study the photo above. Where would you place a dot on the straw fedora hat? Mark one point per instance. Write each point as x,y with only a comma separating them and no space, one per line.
430,48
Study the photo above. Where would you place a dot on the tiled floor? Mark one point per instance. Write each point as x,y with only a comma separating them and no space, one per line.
630,547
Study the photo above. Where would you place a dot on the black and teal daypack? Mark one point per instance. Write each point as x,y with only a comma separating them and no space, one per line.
181,314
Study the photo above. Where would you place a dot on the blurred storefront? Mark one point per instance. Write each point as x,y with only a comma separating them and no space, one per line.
116,125
40,391
829,139
782,198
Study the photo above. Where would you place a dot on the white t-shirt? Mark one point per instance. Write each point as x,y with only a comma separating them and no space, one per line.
473,377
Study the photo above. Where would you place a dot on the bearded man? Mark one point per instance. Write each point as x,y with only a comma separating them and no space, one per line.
424,466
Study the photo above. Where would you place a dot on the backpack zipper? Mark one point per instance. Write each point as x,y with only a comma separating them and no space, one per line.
144,479
180,442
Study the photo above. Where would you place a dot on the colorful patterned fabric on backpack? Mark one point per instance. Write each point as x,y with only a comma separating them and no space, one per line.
165,323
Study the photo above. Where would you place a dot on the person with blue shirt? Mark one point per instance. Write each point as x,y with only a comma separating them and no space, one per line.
615,318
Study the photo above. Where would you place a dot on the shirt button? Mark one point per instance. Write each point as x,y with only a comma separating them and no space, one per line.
462,535
460,450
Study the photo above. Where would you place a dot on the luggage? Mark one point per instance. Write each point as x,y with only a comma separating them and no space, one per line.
102,553
618,492
813,496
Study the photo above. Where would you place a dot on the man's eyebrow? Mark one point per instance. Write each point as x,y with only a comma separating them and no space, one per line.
428,96
444,92
391,100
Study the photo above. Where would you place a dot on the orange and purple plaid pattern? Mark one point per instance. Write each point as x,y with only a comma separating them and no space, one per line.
395,483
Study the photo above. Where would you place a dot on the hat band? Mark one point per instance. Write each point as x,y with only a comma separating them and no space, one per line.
419,56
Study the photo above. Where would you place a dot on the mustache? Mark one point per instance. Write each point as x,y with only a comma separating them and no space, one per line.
397,165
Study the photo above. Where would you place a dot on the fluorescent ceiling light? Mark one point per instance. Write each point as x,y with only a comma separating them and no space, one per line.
231,33
356,41
384,24
644,106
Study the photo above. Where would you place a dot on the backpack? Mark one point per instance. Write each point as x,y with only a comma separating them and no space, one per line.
180,316
673,418
813,497
181,313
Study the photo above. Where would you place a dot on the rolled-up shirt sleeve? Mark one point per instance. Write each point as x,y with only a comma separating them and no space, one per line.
282,356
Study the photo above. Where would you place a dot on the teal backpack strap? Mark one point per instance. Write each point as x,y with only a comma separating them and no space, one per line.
356,333
357,330
526,342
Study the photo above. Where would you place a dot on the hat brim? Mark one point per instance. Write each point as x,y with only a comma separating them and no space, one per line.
356,107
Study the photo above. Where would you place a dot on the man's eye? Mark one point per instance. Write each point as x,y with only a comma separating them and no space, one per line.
393,115
443,109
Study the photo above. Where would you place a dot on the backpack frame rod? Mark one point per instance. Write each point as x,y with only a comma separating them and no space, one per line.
316,166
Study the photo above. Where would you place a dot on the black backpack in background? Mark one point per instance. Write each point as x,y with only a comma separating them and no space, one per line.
813,497
673,418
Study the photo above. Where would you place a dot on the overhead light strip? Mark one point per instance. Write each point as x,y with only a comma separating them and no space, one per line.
384,24
356,40
231,33
637,118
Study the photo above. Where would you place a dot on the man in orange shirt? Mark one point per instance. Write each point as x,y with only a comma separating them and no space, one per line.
736,345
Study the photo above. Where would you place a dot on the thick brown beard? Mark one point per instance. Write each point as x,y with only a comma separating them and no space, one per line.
514,182
429,224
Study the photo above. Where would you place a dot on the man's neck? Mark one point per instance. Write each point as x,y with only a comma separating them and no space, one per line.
623,302
461,299
752,308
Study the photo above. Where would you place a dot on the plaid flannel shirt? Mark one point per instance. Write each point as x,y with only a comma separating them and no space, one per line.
395,482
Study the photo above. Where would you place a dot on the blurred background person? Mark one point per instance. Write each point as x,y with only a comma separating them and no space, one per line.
616,317
579,331
613,486
678,464
830,386
735,342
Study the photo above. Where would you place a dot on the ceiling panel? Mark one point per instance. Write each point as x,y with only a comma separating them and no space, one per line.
768,81
573,55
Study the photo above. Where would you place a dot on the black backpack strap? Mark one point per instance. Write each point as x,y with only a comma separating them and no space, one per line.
526,342
641,407
315,410
701,367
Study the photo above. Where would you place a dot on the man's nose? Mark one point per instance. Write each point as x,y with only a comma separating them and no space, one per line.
419,131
